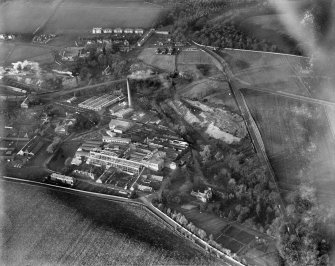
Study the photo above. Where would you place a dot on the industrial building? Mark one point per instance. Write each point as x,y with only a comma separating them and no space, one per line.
119,126
119,140
124,113
145,37
32,147
109,159
96,103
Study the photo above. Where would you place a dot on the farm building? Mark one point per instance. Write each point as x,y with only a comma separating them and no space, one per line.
97,30
118,30
139,31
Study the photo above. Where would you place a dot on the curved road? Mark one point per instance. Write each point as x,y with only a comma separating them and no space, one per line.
228,261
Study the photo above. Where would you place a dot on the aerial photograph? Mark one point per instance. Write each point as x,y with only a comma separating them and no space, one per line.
167,132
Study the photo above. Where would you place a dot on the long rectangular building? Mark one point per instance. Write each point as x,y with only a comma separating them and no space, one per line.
97,103
109,159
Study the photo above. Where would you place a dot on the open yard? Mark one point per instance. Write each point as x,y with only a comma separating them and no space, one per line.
295,135
273,72
75,16
163,62
11,52
45,227
194,57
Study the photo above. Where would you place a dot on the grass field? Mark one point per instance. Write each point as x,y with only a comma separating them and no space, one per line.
274,72
295,135
75,16
194,57
10,52
5,50
42,227
163,62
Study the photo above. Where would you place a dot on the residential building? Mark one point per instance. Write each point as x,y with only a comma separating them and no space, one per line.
139,31
128,31
205,196
97,30
108,30
118,30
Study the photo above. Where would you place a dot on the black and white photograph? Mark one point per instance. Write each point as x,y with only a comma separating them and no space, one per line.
167,132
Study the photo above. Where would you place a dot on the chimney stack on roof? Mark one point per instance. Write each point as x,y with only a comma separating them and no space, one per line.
129,95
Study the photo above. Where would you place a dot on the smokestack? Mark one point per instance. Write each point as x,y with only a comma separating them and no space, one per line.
129,95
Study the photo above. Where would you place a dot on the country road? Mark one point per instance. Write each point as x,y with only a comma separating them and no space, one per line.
143,201
249,121
57,93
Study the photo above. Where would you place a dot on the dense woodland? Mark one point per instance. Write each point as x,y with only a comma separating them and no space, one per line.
193,20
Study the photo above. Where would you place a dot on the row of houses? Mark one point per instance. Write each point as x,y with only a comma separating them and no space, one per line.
98,30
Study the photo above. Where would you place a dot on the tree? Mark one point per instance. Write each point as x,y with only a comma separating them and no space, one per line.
205,153
202,234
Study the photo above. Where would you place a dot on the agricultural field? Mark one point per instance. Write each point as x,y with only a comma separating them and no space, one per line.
163,62
201,88
273,72
63,17
31,53
5,51
41,226
194,57
295,135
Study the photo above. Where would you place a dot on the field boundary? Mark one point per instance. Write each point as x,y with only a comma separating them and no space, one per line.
252,51
147,206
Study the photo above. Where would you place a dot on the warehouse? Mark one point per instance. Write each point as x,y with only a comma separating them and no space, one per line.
108,159
97,103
